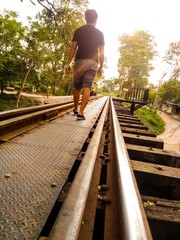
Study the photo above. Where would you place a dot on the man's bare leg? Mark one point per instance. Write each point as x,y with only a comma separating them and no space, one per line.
76,98
85,99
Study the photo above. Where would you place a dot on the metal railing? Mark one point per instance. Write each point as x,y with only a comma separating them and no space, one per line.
138,94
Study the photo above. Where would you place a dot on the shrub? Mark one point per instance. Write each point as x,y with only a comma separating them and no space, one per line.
151,119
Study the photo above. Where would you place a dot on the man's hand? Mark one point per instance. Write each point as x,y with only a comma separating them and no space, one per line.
71,55
68,68
100,71
101,51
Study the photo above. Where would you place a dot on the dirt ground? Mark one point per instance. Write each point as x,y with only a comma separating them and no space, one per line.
171,135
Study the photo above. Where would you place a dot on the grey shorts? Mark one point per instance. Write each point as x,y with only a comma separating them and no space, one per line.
84,73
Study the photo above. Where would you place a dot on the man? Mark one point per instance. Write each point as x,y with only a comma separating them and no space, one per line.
88,46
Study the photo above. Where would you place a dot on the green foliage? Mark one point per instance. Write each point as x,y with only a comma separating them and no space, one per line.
136,53
62,92
50,40
109,86
37,54
172,58
12,33
169,87
8,101
152,94
108,93
151,119
170,91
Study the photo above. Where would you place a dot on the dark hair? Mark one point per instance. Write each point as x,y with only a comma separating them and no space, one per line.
91,16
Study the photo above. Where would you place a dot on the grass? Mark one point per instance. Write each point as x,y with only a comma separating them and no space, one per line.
8,101
151,119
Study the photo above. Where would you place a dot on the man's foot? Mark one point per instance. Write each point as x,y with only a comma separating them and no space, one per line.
81,117
75,112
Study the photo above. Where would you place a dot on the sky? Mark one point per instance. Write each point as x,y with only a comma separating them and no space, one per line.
160,18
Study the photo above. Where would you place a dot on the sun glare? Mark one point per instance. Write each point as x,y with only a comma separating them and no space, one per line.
159,18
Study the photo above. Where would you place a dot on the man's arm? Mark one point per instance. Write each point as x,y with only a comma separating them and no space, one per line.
101,60
71,55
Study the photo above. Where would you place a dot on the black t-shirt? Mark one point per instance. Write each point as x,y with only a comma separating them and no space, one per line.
88,39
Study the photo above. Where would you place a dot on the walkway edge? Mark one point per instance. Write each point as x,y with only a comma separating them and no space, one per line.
69,220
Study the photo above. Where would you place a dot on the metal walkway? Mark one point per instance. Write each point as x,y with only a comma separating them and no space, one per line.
34,168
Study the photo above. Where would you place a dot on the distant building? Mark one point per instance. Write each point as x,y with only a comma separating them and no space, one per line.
171,108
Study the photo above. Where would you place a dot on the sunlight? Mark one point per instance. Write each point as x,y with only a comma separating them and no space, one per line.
159,18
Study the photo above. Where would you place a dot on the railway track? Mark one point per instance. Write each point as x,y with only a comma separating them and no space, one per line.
121,185
157,175
18,121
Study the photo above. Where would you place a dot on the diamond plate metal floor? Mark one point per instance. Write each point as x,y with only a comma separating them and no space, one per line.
30,163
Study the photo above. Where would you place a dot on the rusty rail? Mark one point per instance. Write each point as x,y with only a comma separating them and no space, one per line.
135,225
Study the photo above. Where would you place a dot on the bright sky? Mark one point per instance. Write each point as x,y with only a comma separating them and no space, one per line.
160,18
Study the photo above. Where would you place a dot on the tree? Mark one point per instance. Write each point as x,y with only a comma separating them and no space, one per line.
38,53
136,53
169,84
12,33
170,91
52,39
152,92
23,83
54,7
172,58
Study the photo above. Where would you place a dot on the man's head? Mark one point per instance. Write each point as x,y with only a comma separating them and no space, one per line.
91,16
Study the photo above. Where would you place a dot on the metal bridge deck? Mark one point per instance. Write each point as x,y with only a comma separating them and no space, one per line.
29,166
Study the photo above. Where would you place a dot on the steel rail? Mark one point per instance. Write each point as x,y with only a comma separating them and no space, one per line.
41,113
69,220
4,115
18,121
134,221
22,111
29,119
